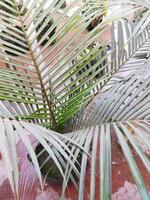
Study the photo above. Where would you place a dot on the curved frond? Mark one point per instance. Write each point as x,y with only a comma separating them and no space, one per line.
50,69
13,131
52,77
121,110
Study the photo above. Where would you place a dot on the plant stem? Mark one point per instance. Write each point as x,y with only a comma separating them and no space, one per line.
45,96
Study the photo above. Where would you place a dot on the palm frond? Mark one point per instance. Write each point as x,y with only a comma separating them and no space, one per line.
53,82
122,110
122,60
13,131
48,85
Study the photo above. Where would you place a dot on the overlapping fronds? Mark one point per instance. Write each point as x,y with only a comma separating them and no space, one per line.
13,131
51,77
123,110
50,68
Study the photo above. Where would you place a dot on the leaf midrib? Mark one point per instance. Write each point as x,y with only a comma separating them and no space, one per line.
45,96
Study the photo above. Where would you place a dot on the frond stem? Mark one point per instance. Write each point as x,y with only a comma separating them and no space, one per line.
45,96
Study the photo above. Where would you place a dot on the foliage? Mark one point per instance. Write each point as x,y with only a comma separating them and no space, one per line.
47,89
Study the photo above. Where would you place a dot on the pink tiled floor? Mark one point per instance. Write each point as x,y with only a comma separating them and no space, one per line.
127,192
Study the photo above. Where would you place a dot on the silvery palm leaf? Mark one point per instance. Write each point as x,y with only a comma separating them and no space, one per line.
49,79
121,110
25,77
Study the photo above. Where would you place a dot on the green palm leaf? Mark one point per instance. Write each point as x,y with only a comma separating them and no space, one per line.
50,80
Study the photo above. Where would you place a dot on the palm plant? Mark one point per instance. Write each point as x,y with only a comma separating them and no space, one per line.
44,94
